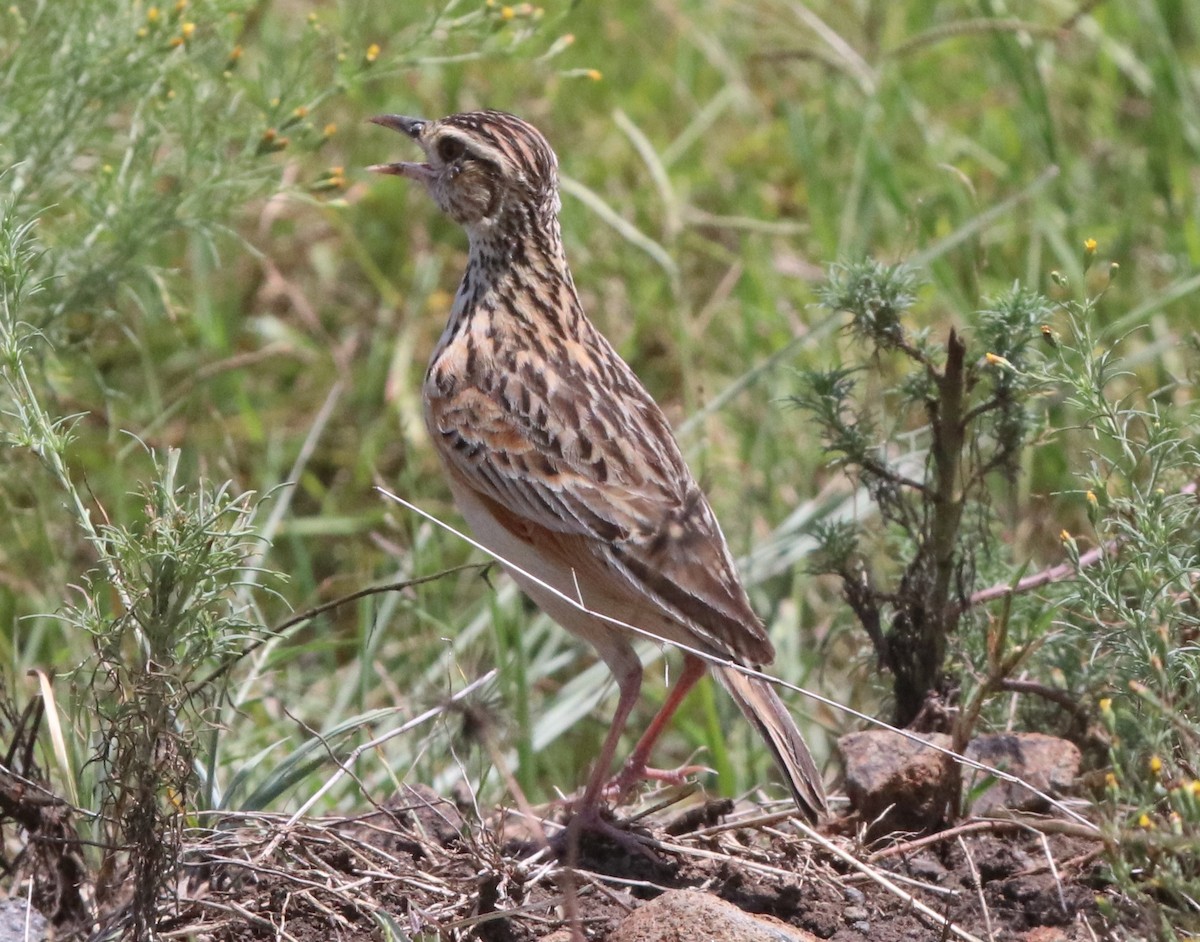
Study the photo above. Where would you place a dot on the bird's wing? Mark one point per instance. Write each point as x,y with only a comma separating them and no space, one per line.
606,478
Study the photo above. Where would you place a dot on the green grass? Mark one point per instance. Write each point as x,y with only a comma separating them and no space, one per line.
192,284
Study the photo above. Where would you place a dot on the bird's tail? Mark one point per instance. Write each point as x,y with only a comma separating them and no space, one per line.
761,705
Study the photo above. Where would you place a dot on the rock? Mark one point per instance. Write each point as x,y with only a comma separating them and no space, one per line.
926,868
1048,763
688,915
14,914
1046,934
896,783
913,784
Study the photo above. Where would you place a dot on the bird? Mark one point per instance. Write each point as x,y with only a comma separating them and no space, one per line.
564,466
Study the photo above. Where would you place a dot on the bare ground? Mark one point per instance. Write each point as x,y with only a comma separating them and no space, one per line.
421,869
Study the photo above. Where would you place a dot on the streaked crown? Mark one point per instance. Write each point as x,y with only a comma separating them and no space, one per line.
482,167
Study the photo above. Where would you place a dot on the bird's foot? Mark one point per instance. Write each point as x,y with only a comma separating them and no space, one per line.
596,819
634,774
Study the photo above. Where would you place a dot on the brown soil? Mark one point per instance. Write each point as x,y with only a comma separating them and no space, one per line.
420,868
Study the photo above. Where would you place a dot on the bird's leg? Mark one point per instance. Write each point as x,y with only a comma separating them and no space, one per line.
635,769
587,811
627,670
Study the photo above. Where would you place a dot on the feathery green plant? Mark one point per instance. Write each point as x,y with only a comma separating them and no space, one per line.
930,446
1128,625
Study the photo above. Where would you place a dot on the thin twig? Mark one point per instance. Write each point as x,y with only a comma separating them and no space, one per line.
877,876
950,834
1045,577
324,607
1063,698
978,884
344,767
1062,898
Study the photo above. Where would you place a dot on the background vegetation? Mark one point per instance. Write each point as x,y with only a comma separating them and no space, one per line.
213,325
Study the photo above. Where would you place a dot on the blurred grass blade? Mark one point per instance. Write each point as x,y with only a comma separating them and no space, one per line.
625,229
58,742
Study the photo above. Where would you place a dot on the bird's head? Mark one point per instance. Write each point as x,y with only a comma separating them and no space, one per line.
482,168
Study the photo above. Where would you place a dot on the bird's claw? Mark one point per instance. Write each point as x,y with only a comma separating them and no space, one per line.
596,819
632,775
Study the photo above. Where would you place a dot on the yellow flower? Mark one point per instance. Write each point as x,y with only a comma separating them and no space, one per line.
595,75
181,6
507,13
1155,765
1106,704
330,129
1092,498
271,141
1089,246
187,29
332,179
1145,822
1110,780
373,52
301,112
152,15
1064,535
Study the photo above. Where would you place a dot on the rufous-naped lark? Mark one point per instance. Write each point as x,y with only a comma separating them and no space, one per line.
562,463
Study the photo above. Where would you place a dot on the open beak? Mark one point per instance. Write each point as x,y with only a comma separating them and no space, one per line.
413,128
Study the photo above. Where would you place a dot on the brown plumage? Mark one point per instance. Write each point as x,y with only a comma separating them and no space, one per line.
559,459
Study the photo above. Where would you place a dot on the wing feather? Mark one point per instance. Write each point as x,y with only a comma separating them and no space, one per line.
608,482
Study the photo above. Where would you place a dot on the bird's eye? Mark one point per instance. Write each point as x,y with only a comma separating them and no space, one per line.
450,149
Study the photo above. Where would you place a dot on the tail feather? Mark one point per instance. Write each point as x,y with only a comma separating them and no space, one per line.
762,707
